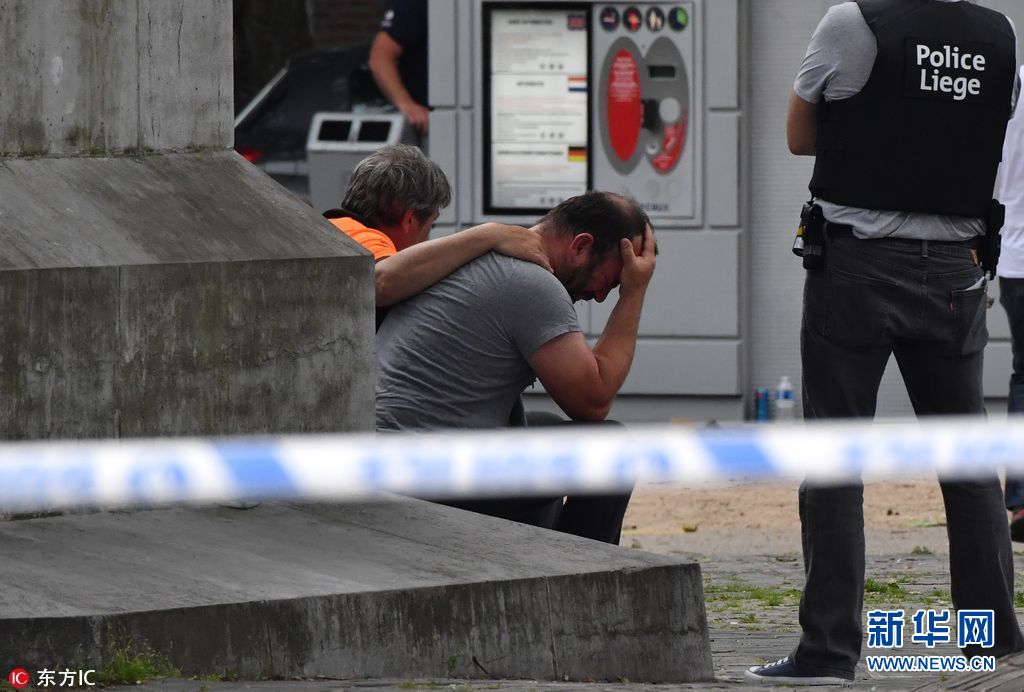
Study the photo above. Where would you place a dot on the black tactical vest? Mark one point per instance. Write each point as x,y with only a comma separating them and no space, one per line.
925,134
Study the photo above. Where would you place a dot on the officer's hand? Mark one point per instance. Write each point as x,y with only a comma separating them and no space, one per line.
417,115
522,243
637,264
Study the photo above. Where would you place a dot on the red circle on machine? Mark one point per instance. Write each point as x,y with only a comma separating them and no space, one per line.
624,109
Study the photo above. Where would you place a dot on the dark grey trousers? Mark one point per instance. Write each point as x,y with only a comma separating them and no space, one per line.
595,516
912,299
1011,297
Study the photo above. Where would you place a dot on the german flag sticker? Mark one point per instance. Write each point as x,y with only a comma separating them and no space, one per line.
578,154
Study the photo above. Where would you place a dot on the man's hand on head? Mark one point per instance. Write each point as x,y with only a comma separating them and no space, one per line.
637,264
521,243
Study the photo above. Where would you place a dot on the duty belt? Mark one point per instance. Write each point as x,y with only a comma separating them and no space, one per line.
843,230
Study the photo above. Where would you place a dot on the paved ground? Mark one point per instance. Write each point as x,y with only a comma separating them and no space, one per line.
747,541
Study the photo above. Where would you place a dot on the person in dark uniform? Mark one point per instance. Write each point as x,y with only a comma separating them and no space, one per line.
1010,186
398,60
904,104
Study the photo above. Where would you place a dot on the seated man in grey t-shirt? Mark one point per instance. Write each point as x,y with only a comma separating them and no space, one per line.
459,354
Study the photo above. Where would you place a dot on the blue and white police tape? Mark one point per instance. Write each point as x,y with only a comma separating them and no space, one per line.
38,476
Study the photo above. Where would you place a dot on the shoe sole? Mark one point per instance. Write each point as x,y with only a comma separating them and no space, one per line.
800,681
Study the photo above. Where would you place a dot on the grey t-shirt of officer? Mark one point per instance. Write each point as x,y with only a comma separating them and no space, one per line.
837,65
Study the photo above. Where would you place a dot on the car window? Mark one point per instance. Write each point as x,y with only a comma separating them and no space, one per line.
318,82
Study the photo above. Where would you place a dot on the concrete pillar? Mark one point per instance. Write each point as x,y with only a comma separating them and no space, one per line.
151,281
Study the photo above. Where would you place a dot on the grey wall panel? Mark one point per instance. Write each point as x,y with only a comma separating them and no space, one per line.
998,366
443,152
778,32
585,311
670,366
723,169
998,326
1014,9
721,21
466,55
442,52
640,409
467,176
695,289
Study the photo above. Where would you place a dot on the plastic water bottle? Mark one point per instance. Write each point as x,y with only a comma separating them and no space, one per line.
785,406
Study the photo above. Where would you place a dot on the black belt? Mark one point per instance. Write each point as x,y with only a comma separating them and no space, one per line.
844,230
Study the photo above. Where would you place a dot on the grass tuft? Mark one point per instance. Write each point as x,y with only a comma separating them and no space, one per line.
453,663
129,663
885,589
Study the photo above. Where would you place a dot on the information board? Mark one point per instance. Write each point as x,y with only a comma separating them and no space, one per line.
537,95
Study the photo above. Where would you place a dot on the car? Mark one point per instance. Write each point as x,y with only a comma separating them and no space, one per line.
271,131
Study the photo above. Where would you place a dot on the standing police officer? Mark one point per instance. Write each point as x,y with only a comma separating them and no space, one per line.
904,104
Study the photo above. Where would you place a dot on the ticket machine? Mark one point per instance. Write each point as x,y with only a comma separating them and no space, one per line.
643,139
539,100
581,96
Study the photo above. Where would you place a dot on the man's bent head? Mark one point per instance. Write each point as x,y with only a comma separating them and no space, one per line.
588,230
392,182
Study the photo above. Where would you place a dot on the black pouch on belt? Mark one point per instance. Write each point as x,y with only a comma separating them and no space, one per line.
810,236
988,251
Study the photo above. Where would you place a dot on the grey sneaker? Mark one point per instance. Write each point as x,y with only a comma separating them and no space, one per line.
783,672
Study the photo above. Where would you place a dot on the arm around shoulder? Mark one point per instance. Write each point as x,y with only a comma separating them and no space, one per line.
420,266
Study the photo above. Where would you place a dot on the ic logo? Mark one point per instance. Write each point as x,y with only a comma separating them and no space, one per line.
19,678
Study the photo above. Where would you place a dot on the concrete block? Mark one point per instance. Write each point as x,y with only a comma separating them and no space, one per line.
244,347
176,294
106,76
58,353
185,77
79,212
621,619
70,77
399,588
